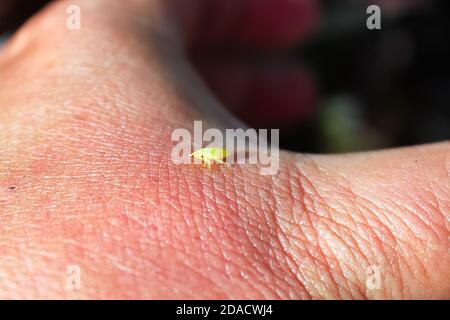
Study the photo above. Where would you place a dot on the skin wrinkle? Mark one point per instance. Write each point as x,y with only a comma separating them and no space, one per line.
235,188
331,260
352,249
83,164
282,259
374,254
245,229
270,218
239,267
19,273
438,207
257,244
381,246
315,198
265,214
212,208
185,253
355,248
221,248
282,238
418,220
340,264
400,242
196,229
186,222
394,209
290,236
340,235
307,215
308,252
338,276
409,232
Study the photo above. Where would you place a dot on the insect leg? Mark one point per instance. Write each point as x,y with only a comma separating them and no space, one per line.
222,162
207,163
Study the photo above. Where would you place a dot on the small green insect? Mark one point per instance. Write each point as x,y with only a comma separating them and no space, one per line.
210,155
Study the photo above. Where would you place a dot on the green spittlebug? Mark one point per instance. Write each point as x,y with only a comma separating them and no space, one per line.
210,155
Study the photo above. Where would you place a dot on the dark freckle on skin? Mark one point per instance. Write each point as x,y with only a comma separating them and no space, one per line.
12,188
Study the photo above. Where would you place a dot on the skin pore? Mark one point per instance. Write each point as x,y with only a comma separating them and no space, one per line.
86,179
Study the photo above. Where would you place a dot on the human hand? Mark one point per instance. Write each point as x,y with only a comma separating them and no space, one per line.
86,179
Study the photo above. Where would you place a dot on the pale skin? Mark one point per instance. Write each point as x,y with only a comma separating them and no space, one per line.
86,179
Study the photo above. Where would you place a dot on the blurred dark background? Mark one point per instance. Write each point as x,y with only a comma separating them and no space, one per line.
380,88
376,88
